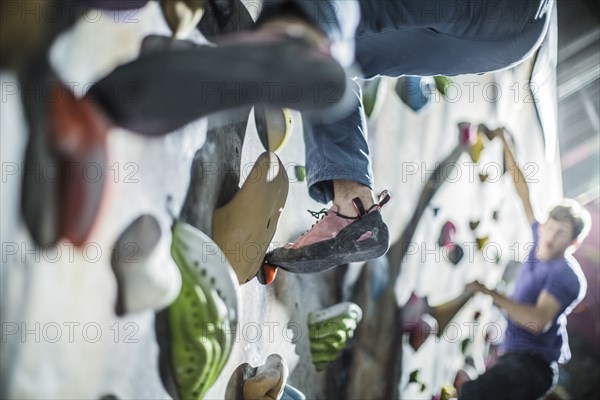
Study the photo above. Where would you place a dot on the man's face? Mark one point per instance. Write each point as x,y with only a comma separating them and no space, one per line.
555,239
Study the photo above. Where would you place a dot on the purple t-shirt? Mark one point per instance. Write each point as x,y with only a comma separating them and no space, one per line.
563,279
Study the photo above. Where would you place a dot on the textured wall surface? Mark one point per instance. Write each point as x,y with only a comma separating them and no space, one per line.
106,354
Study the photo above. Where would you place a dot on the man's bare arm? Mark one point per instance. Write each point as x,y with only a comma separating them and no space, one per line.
517,175
534,319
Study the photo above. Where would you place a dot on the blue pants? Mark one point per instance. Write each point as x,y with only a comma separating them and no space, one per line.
418,37
515,376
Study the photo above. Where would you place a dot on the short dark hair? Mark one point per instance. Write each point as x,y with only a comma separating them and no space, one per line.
569,210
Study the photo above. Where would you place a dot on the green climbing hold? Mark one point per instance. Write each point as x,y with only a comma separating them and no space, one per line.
300,171
202,320
442,83
329,332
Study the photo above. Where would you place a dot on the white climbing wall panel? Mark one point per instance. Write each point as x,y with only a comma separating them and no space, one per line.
119,355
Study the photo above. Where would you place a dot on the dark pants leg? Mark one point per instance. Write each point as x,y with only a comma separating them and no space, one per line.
424,38
337,151
449,37
515,376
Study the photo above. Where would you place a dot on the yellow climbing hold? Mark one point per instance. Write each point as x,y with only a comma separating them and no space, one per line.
477,148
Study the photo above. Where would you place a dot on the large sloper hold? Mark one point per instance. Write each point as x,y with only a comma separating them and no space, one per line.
164,90
201,323
65,163
146,275
244,227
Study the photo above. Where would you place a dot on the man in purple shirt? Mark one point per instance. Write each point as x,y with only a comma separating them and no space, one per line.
549,286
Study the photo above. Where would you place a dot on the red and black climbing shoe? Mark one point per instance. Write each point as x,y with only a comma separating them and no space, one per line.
336,239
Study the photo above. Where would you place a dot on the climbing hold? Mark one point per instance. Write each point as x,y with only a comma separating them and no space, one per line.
300,171
476,149
467,134
482,242
449,392
455,253
267,381
424,328
182,16
372,91
447,234
70,135
496,215
274,126
329,331
202,321
244,227
442,83
147,277
267,273
415,91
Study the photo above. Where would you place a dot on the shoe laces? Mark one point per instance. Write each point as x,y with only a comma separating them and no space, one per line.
384,197
318,214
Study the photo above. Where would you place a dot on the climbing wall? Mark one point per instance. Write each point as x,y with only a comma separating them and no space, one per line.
67,341
477,198
62,339
53,288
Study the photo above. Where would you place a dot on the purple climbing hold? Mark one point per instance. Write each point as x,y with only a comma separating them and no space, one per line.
447,234
467,134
